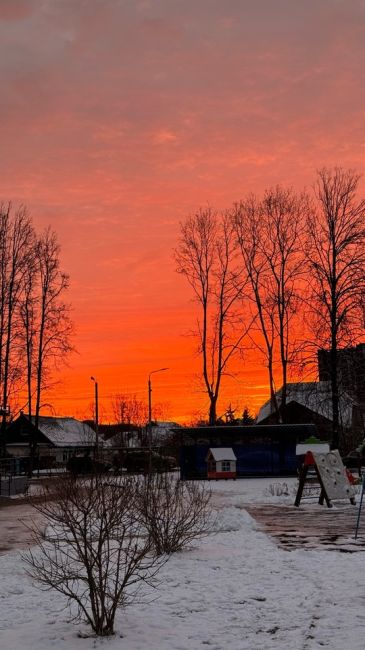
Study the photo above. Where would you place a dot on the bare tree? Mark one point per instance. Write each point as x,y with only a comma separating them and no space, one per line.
174,512
129,409
54,324
93,550
16,239
248,223
268,235
336,259
28,311
47,327
206,257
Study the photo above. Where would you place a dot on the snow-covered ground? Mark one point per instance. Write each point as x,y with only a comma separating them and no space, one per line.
234,590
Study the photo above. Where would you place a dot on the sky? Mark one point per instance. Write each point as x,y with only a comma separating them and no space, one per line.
119,118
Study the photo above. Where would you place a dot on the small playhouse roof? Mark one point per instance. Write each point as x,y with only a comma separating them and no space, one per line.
222,453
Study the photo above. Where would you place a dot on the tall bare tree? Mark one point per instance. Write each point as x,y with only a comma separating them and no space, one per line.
47,326
336,258
205,256
28,311
16,239
247,218
268,236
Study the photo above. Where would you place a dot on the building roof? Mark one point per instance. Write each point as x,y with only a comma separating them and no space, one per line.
232,432
66,432
222,453
315,396
166,425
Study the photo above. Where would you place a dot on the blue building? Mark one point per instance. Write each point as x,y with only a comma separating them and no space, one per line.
260,450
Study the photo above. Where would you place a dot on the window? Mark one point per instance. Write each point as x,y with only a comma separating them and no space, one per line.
226,465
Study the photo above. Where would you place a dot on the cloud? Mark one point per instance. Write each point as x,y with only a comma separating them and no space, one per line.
164,136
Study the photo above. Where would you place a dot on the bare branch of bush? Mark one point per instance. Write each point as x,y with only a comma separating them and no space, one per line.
278,490
93,549
174,512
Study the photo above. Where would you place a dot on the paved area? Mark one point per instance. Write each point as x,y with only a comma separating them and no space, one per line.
15,520
311,526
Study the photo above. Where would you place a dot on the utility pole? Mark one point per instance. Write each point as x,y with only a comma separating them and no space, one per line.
150,416
96,417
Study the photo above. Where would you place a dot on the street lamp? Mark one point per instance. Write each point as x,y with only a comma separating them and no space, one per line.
96,415
150,409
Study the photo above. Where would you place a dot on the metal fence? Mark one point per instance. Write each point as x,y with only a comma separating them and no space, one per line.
13,476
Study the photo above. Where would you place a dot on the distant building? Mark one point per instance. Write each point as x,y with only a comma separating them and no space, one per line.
60,437
120,435
161,431
267,450
130,435
350,369
310,402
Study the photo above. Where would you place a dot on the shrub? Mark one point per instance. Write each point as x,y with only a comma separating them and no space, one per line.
93,550
174,512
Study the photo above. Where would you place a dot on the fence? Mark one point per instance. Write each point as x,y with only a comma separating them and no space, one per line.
13,476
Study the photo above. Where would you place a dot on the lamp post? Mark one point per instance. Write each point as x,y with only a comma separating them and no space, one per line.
96,416
150,414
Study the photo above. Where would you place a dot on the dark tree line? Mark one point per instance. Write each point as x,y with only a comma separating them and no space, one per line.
279,271
35,326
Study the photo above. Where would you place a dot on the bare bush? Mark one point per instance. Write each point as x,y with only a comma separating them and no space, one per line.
174,512
93,549
278,490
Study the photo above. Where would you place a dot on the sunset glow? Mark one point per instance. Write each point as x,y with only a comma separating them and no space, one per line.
120,118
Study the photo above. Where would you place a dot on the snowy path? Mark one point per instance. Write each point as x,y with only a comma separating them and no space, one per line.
236,590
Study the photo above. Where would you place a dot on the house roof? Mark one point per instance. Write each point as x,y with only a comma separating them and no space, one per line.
166,425
222,453
66,432
315,396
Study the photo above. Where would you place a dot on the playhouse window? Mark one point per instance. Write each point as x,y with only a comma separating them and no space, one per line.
226,466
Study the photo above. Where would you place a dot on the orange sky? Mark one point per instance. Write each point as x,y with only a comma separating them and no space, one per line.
119,118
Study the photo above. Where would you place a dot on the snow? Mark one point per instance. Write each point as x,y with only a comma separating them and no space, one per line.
222,453
314,395
66,432
234,590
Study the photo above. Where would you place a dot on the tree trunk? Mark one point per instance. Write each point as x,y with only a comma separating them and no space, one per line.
213,410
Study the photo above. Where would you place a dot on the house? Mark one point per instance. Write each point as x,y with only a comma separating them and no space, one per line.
120,435
130,435
58,437
259,450
161,431
350,370
221,463
310,402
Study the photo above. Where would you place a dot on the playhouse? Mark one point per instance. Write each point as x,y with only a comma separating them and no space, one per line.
221,463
